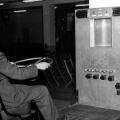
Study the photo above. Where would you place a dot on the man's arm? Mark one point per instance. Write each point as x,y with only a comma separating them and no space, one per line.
14,72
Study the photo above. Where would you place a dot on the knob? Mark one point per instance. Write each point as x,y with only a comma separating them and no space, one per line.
88,76
96,76
118,91
103,77
117,86
111,78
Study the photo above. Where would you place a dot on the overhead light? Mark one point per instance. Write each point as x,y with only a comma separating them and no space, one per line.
1,4
31,0
55,7
19,11
81,5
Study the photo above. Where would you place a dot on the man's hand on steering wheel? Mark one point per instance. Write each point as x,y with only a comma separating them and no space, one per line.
42,65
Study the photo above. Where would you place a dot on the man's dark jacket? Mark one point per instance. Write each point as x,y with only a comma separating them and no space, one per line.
13,94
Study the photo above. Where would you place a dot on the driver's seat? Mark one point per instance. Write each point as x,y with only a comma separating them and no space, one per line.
34,113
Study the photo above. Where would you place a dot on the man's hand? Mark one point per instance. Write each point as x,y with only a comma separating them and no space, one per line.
42,65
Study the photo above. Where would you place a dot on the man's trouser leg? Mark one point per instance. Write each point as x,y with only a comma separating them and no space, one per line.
44,103
42,99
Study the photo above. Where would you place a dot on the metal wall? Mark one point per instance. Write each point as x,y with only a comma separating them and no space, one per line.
97,66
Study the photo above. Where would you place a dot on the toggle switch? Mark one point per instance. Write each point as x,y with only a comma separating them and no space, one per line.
88,76
103,77
96,76
111,78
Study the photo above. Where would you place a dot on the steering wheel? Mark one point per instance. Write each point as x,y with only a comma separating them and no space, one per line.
34,60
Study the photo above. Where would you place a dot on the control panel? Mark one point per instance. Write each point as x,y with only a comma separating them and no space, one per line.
98,57
99,74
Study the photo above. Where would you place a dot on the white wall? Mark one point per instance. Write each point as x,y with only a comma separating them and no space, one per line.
103,3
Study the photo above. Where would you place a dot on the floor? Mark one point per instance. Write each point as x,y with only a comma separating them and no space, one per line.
63,97
84,112
61,104
69,109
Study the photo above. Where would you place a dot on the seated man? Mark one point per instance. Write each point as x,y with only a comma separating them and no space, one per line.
14,96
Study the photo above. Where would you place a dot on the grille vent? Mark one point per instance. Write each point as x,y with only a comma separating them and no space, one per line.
116,11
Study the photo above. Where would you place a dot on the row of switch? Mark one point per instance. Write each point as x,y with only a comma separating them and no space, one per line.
98,70
102,77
